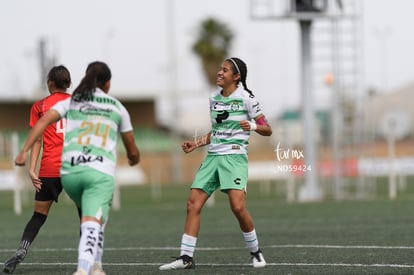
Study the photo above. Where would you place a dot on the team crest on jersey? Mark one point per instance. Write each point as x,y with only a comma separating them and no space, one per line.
234,106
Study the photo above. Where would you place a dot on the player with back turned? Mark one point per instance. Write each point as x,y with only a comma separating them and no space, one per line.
47,182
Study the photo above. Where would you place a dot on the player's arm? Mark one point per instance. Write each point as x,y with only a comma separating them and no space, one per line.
189,145
35,133
131,148
34,156
260,125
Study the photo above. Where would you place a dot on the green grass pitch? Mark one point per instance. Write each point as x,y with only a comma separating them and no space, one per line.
346,237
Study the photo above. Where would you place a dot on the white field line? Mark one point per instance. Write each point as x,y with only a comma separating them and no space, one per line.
342,246
381,265
227,248
235,264
234,248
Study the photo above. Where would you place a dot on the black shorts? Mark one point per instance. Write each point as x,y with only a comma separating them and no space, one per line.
50,191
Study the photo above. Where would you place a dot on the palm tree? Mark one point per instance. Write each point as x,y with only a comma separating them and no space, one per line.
212,46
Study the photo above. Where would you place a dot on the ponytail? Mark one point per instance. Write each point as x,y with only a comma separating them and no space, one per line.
97,74
239,67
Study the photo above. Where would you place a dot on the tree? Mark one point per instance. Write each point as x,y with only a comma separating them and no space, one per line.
212,46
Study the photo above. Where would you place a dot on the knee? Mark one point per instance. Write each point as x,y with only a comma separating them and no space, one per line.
239,210
193,206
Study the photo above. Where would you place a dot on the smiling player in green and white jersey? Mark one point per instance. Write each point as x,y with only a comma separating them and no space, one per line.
234,114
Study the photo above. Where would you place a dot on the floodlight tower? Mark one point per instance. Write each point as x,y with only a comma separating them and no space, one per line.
304,12
44,63
311,190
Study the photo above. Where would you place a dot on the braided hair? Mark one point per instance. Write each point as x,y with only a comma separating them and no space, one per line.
60,76
239,67
97,74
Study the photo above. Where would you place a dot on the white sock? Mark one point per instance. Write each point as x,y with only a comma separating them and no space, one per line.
188,244
251,241
88,245
100,245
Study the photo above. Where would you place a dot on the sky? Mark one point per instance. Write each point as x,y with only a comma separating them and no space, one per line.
144,41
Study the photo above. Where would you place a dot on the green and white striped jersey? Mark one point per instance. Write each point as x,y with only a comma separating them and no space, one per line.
91,133
227,137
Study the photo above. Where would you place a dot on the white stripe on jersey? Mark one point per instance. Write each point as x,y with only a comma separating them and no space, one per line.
227,137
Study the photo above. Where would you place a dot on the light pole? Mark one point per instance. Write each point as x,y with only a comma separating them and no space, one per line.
107,45
311,190
172,73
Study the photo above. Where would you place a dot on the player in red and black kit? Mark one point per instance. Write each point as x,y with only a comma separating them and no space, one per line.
47,182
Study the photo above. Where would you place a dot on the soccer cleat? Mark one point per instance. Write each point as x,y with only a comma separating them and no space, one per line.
258,259
98,272
97,269
182,262
10,264
80,272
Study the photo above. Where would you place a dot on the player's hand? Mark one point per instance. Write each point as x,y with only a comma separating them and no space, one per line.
132,162
188,146
37,183
245,125
20,159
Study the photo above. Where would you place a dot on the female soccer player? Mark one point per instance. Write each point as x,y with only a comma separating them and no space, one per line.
234,114
94,120
47,183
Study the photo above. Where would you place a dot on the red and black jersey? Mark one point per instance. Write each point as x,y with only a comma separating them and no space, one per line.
53,136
